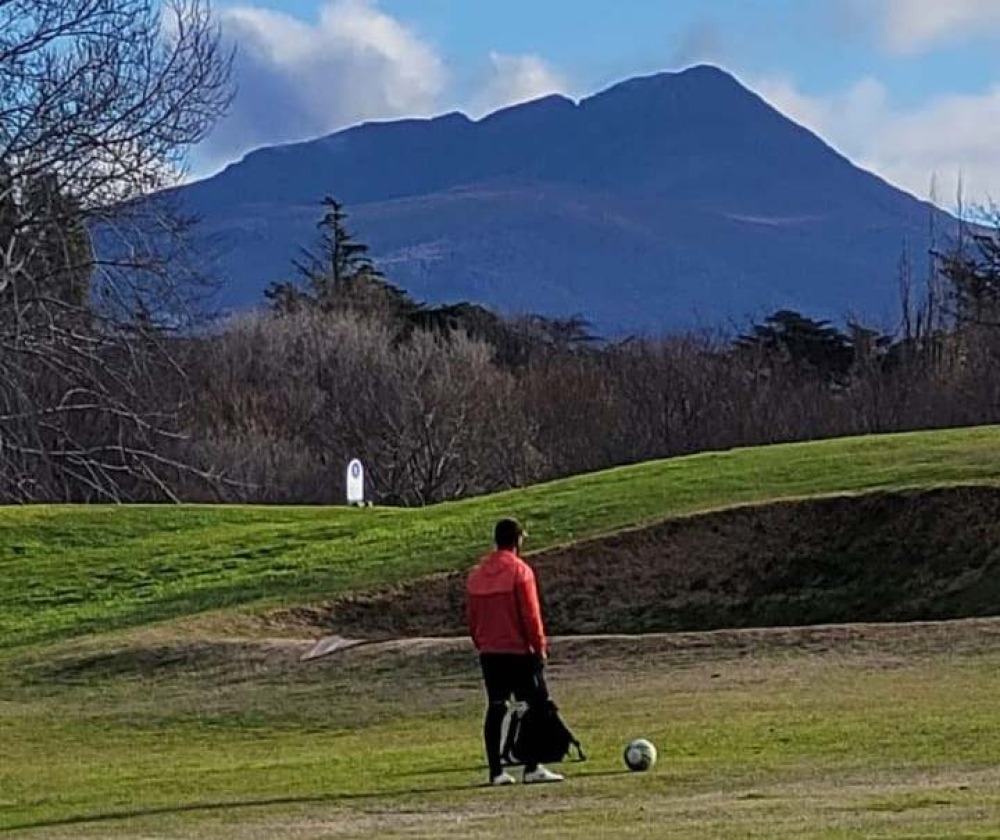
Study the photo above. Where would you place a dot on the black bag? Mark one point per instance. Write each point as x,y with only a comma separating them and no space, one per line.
537,735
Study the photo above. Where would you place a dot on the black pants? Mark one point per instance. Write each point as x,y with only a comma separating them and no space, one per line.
505,674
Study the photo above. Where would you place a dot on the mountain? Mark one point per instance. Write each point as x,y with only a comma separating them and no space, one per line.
674,200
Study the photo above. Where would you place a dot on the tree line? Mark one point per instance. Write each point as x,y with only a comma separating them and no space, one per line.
113,387
447,401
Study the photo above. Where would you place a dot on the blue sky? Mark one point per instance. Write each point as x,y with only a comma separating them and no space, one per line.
908,88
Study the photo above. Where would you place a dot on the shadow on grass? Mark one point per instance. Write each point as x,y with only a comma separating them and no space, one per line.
441,771
207,807
481,768
599,774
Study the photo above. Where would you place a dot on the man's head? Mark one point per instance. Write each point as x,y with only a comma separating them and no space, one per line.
508,535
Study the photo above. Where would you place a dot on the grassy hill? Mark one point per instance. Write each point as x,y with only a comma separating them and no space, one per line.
883,556
69,571
829,732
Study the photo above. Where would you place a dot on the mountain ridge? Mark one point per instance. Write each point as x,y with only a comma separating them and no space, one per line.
638,207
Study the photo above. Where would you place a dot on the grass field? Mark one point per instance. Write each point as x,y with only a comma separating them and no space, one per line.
69,571
870,732
122,717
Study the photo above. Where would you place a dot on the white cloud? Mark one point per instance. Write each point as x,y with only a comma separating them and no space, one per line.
948,139
299,80
914,25
516,78
852,120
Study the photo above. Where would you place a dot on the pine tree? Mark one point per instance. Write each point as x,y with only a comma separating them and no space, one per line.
340,260
793,339
339,275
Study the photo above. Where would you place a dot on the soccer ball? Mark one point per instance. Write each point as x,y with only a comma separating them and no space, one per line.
640,755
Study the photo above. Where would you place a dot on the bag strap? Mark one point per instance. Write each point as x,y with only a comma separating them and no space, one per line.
579,750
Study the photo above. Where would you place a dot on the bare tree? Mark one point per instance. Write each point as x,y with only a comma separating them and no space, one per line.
298,395
100,102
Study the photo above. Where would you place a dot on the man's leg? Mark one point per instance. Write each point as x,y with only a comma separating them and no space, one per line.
496,711
496,677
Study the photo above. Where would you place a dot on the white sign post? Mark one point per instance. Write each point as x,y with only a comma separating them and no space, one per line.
355,483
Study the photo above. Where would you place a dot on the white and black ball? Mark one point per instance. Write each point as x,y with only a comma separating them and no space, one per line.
640,755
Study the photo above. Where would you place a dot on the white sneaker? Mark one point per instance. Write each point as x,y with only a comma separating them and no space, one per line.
503,779
541,774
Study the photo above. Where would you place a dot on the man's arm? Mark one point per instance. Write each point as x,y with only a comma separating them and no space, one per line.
531,613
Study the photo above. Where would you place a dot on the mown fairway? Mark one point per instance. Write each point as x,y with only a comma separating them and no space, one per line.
872,732
137,699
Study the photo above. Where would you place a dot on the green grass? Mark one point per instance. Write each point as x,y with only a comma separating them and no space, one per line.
876,736
69,571
865,732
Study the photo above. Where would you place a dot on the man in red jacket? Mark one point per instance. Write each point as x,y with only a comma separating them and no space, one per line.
505,622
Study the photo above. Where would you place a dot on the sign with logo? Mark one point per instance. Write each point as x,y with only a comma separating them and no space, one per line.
355,483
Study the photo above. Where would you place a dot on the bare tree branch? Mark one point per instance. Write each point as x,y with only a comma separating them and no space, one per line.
100,102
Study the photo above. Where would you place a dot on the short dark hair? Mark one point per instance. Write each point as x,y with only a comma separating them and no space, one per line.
507,533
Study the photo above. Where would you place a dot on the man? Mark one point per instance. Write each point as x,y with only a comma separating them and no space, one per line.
505,622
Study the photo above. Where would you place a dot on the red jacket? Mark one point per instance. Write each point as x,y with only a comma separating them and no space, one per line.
501,606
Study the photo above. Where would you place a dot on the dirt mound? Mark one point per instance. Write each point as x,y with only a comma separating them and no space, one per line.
921,555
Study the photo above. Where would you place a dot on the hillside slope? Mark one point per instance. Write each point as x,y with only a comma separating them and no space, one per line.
663,201
916,555
70,571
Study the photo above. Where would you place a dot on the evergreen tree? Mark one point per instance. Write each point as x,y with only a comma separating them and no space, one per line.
339,275
63,256
340,260
47,250
788,337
